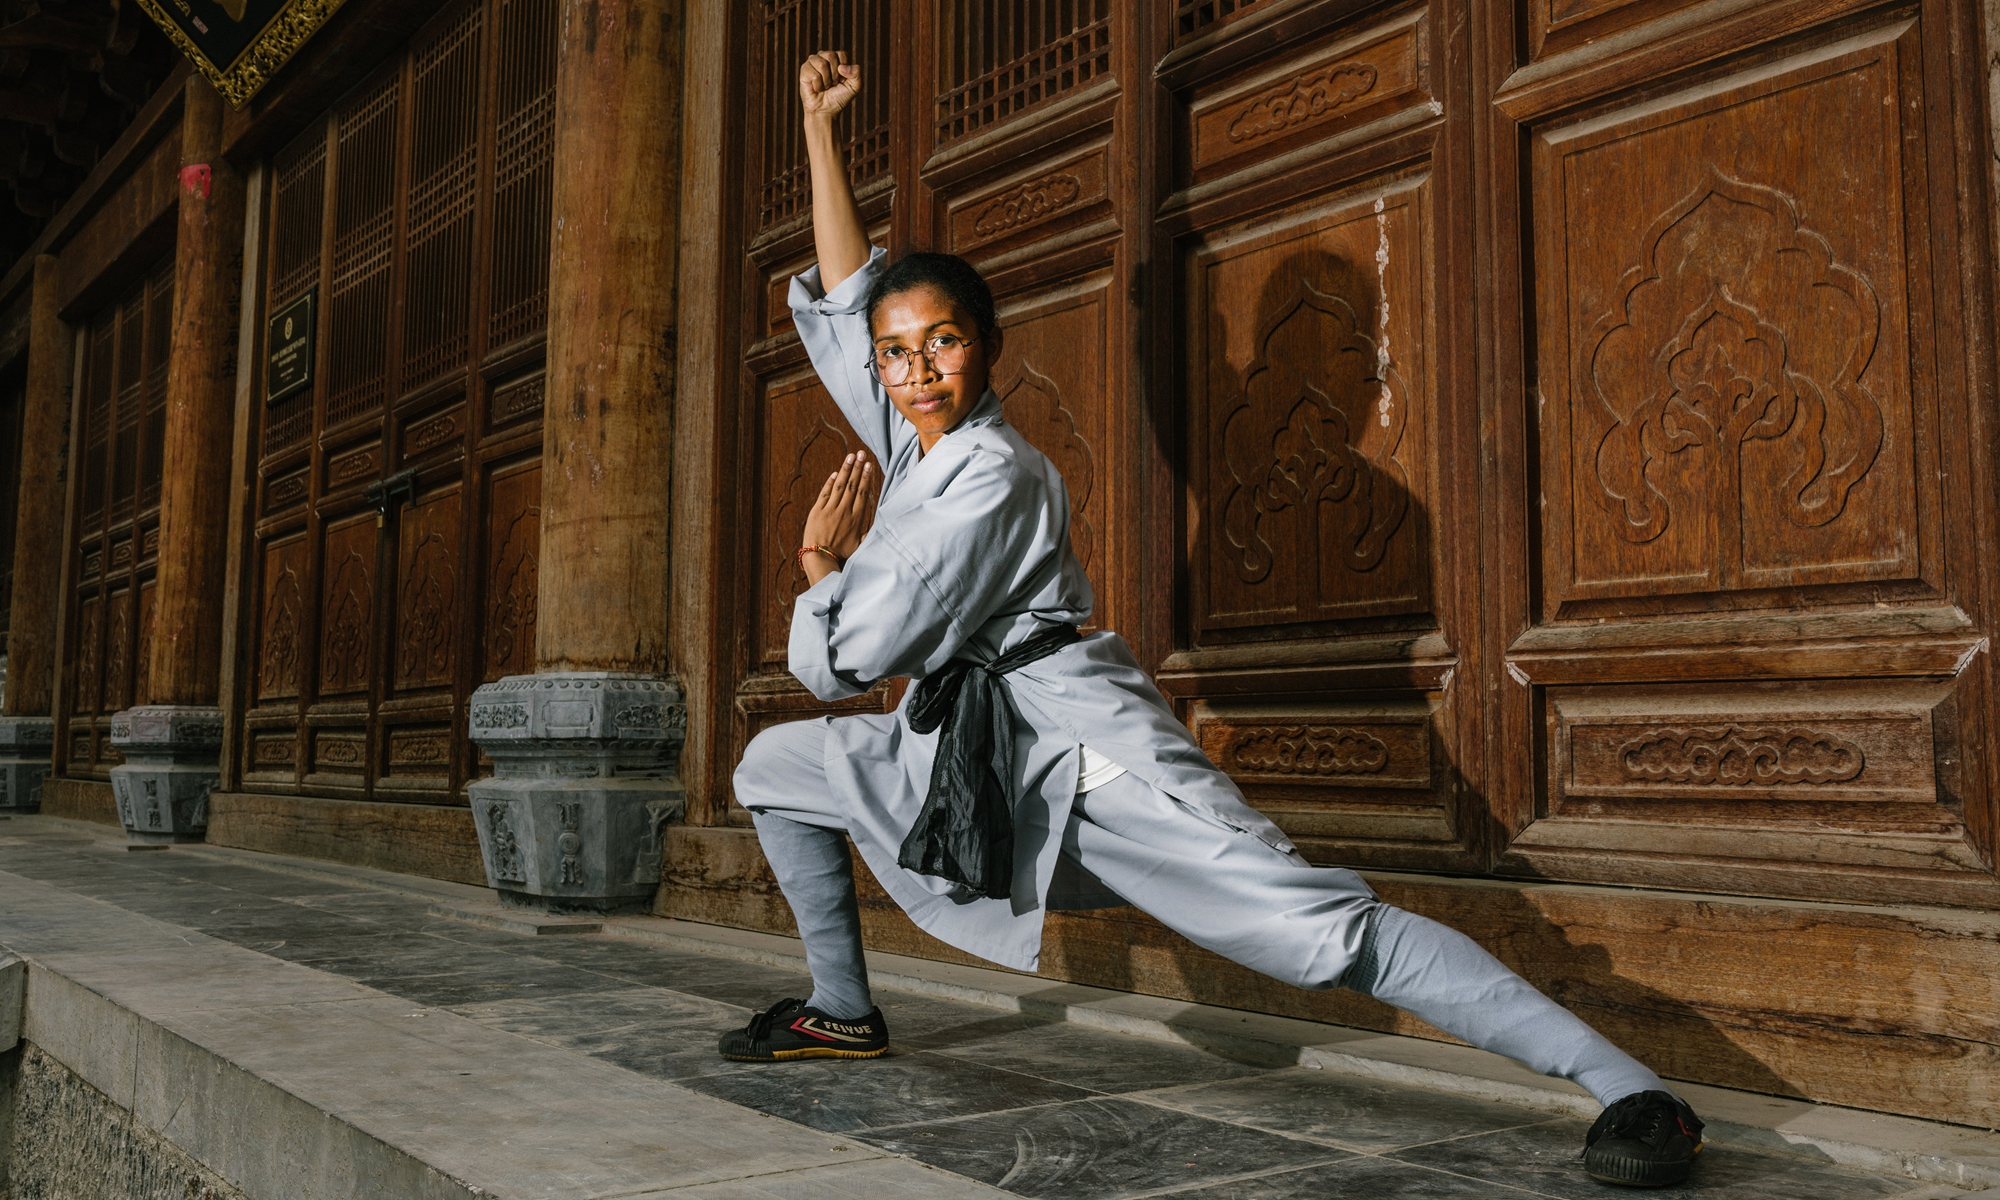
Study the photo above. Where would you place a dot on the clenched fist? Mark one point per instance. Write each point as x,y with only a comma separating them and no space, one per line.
827,83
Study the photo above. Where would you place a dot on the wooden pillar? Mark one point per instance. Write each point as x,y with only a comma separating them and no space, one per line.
603,567
38,557
201,387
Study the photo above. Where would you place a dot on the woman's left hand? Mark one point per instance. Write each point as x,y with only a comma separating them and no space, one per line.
840,517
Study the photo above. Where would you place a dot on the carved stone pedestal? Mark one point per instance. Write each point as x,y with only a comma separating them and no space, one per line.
25,743
172,761
584,776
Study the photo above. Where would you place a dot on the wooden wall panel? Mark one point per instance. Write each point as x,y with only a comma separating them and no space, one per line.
348,607
805,439
427,592
1730,359
1310,416
513,541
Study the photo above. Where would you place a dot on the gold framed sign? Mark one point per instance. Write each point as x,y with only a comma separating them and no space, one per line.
239,44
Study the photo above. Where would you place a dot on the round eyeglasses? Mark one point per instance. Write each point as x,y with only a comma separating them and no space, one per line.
945,353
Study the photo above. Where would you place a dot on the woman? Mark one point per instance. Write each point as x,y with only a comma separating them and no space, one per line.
1052,774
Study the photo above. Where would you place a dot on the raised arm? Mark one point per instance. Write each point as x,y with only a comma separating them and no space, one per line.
827,84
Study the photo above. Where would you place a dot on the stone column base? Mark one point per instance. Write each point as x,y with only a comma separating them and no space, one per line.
584,776
172,761
25,746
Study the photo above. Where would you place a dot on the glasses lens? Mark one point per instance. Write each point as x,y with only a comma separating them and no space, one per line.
947,355
892,367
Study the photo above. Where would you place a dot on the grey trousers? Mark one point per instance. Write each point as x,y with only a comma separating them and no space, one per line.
1224,890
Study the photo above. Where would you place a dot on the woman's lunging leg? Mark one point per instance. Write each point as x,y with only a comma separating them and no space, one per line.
782,781
1321,927
1438,974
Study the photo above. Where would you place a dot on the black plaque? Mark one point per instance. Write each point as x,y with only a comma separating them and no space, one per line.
239,44
289,345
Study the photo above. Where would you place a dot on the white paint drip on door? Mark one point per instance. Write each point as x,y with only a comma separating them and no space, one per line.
1382,324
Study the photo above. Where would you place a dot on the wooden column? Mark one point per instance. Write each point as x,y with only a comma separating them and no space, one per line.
38,557
201,385
603,573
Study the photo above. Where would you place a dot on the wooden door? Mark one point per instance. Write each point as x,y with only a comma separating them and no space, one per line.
116,502
398,504
1741,586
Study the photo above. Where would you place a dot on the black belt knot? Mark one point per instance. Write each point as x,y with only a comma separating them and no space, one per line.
965,831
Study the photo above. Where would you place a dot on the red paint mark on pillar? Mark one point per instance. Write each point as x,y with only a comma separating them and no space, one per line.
196,179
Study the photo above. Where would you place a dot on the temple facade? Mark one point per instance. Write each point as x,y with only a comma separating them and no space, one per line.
1542,449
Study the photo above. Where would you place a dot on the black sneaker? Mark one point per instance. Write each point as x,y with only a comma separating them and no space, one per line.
1648,1139
788,1029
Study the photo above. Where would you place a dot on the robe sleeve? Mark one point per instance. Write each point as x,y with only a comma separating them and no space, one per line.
925,581
834,328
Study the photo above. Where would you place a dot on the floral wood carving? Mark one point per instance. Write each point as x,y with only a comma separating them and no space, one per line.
1308,750
820,451
1737,755
427,607
117,651
344,652
1033,404
1311,95
87,658
1738,326
1027,204
511,639
278,672
1290,444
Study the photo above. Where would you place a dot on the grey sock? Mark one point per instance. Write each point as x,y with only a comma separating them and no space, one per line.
1440,975
817,876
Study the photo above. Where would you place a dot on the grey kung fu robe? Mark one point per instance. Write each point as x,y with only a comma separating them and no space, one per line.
969,556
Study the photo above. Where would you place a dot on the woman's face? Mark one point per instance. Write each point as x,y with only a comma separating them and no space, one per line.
909,321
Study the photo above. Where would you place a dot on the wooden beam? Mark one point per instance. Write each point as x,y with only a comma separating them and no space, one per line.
201,396
38,557
436,841
603,565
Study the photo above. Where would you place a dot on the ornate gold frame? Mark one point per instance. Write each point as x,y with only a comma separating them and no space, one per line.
260,60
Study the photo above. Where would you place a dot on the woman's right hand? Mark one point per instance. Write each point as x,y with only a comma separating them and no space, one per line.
827,83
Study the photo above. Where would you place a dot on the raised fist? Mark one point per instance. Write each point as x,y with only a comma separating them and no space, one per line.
827,82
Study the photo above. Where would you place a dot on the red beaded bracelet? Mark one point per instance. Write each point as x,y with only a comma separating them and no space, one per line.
838,561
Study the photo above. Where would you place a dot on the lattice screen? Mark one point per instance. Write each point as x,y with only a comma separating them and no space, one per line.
1194,16
792,30
298,220
1000,60
523,120
364,233
444,184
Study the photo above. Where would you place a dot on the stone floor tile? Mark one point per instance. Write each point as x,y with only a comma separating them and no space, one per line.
1545,1158
1359,1114
1099,1060
842,1095
1365,1178
1095,1149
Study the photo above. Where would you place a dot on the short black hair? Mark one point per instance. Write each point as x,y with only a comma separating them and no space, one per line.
959,280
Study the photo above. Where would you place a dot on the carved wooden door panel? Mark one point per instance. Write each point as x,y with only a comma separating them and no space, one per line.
13,403
1316,353
116,502
1747,651
399,501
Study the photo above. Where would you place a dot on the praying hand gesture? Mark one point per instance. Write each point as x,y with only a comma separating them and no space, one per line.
839,518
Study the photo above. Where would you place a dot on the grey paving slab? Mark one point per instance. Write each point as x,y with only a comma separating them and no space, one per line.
848,1095
1099,1061
893,1179
1366,1178
1543,1158
1356,1114
1098,1148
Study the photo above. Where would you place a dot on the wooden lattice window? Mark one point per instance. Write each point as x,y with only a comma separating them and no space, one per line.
398,499
1195,16
1003,59
118,506
791,30
522,130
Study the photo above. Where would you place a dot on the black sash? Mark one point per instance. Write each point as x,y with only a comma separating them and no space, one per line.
965,832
